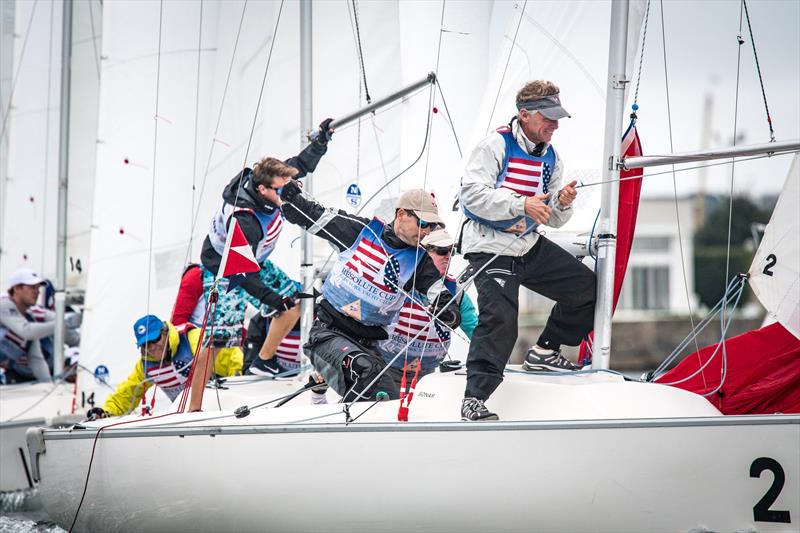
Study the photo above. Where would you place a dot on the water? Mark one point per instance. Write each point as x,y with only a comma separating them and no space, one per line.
21,512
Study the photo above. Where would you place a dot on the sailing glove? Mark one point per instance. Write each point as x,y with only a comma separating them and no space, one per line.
450,313
290,190
325,132
96,413
277,304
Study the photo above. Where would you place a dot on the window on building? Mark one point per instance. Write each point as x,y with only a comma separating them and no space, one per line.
648,288
651,244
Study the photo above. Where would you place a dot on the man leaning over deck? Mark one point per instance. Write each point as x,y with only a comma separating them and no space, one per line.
362,293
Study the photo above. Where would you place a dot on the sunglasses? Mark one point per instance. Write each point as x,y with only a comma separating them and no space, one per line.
143,347
422,224
438,250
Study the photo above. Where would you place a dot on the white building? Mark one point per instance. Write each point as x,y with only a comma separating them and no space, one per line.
661,265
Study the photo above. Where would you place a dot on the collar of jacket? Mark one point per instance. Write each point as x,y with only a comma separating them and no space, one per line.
526,144
391,238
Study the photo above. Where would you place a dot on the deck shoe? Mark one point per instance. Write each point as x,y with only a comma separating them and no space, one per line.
539,359
262,367
473,410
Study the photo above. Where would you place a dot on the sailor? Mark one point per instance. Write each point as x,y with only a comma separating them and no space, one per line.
252,199
288,355
377,265
21,355
432,341
513,182
165,360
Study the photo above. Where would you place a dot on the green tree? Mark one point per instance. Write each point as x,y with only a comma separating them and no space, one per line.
711,245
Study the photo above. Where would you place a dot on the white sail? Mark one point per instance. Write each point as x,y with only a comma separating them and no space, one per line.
399,40
775,271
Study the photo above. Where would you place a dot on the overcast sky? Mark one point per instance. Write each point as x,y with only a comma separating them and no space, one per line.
701,45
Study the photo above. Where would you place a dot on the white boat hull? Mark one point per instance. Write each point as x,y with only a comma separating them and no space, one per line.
302,469
31,405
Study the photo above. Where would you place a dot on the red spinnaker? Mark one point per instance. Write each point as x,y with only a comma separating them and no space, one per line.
762,377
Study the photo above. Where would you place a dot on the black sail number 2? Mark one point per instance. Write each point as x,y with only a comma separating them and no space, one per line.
761,510
772,260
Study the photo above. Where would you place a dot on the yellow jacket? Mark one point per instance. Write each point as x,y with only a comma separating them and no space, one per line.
129,393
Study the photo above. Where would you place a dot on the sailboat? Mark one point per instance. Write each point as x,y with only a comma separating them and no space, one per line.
591,451
35,159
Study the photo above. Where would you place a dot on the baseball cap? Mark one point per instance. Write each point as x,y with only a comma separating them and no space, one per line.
439,238
25,276
147,329
422,203
549,106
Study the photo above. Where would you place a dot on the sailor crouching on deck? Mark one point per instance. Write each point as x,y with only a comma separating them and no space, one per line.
166,359
362,294
425,352
512,183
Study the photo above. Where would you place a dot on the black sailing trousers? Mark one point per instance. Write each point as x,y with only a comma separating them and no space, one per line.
546,269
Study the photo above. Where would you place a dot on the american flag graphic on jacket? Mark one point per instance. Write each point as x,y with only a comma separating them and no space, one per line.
524,176
370,261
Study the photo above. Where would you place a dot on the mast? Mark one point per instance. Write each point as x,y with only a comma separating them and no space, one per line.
306,121
63,172
607,224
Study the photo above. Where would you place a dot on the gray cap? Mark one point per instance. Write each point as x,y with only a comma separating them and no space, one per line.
549,106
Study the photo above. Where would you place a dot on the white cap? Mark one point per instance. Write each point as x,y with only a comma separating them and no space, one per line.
439,238
24,276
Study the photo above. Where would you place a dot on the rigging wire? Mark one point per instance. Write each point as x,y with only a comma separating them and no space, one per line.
505,69
258,103
216,128
155,158
196,120
641,53
758,69
361,52
740,42
596,183
675,181
47,135
94,36
19,67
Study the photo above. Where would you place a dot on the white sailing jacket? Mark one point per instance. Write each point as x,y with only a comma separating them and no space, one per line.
481,196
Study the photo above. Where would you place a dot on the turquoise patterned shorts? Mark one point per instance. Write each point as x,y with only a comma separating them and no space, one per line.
229,318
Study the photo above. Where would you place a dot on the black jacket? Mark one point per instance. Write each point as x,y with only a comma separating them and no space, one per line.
342,230
242,193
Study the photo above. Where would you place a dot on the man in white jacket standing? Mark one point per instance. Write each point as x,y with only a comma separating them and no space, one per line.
511,184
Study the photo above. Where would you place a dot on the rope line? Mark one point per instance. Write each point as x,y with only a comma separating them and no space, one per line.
674,180
641,54
361,53
258,103
505,69
758,69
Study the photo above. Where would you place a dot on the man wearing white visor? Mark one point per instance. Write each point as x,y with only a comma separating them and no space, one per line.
513,181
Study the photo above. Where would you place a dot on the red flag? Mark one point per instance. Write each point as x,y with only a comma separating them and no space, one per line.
237,258
627,210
